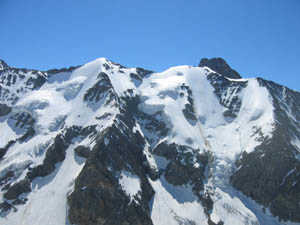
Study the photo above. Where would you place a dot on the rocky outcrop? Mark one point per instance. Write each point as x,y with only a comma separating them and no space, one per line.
82,151
100,90
188,110
186,165
220,66
55,153
228,93
62,70
4,109
98,197
17,189
273,165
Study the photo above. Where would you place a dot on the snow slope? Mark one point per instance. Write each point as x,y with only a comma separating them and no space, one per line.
47,202
212,132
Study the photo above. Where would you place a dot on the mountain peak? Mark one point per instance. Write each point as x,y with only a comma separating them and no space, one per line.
220,66
120,145
3,65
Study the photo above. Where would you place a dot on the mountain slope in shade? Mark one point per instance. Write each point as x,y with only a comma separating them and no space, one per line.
106,144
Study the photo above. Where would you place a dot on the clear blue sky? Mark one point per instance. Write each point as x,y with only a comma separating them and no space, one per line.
257,38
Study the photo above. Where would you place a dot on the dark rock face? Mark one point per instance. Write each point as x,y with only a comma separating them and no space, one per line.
227,93
54,71
55,153
153,124
188,110
98,197
181,168
8,175
143,72
98,91
273,165
19,188
286,203
6,147
82,151
276,174
4,109
220,66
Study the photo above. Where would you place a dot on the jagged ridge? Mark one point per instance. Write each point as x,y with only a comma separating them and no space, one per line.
117,145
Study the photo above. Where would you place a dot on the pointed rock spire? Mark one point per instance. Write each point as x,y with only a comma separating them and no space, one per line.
220,66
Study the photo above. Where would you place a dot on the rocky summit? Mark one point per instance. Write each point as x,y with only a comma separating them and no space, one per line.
103,144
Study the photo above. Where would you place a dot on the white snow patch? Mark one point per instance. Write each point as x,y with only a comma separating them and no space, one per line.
207,106
160,92
130,183
6,134
231,210
296,143
106,141
175,205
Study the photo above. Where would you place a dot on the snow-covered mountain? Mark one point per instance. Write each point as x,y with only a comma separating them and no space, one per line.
105,144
